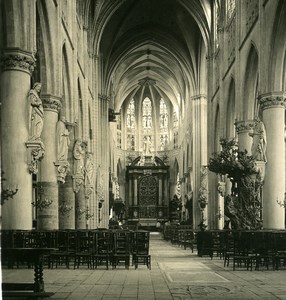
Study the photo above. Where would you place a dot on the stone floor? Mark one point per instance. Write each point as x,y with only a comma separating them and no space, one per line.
176,274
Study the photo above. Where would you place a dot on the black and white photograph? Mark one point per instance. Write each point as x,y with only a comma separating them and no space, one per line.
143,149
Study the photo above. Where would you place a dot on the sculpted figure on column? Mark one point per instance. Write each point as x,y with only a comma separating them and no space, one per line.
36,116
78,153
63,140
89,170
258,149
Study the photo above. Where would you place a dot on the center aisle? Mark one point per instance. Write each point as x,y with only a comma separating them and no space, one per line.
176,274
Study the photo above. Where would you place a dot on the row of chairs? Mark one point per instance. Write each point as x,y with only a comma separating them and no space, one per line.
183,235
248,249
256,249
90,247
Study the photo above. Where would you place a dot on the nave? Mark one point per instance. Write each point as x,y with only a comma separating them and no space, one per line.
175,274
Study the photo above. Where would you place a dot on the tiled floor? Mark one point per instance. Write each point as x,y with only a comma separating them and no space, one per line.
176,274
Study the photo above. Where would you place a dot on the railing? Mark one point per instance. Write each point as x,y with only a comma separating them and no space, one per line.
152,212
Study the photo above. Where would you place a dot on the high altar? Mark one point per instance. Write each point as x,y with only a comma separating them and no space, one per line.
147,191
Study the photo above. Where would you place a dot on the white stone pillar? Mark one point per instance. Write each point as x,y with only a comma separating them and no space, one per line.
243,128
48,215
17,66
160,191
135,191
220,207
200,157
273,106
80,210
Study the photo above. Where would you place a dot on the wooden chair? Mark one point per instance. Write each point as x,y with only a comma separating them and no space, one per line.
140,253
121,248
102,249
65,243
83,249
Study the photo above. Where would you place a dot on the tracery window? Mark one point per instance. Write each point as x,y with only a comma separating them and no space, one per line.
147,114
147,126
130,124
164,125
118,122
230,6
216,23
175,129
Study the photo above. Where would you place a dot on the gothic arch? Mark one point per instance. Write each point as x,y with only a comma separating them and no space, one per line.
80,111
217,130
250,83
230,110
46,47
66,89
278,50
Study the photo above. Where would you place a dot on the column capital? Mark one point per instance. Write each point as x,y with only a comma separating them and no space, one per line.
244,126
51,103
17,59
272,99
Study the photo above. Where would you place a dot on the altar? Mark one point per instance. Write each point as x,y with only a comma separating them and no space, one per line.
147,191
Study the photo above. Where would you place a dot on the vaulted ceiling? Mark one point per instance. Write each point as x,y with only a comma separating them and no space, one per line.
152,48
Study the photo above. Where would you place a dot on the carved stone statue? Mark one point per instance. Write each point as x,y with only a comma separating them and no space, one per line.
258,149
89,170
78,154
63,140
147,145
36,116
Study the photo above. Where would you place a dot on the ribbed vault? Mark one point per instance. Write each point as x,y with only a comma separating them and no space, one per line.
163,41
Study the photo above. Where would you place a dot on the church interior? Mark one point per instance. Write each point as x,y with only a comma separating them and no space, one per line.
146,117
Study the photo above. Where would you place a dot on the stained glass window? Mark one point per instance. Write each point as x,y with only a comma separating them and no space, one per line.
147,113
164,125
230,8
175,129
130,124
118,122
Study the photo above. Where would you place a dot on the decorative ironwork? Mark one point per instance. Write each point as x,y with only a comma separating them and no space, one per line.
87,214
6,193
64,208
282,203
42,203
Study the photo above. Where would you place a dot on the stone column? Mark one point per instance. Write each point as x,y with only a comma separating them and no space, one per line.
160,191
80,220
135,191
66,204
66,192
48,197
78,184
243,128
166,192
200,152
220,208
17,66
273,106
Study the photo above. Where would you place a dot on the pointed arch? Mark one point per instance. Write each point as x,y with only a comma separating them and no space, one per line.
250,83
217,133
80,116
66,85
230,110
277,57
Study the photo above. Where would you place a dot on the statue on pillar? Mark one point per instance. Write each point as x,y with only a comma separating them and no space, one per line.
89,170
258,149
36,115
63,140
78,154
